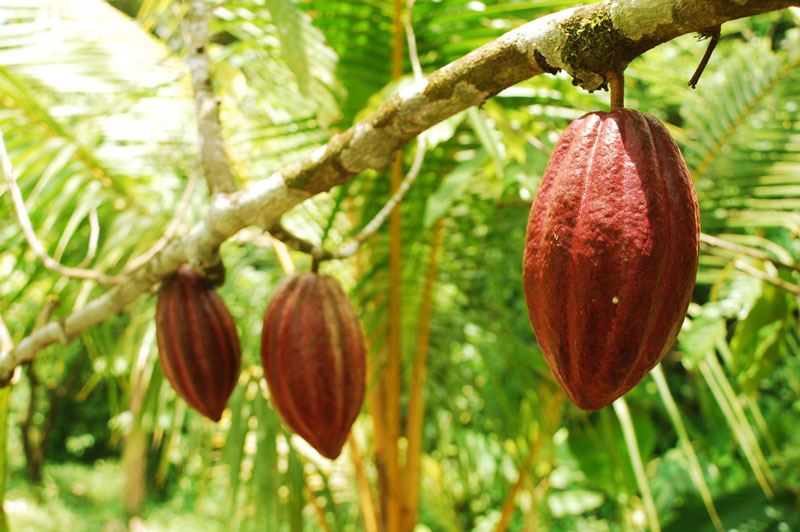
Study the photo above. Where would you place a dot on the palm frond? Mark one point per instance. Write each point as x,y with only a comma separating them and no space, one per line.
744,151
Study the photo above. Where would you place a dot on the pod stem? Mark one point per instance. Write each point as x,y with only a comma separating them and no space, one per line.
616,84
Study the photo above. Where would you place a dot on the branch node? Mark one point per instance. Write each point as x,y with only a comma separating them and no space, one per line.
64,336
214,272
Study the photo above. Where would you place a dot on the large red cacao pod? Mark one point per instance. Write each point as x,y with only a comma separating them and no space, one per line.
611,253
197,342
314,360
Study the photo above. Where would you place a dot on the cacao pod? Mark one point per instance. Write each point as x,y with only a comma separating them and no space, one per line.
197,342
611,253
314,360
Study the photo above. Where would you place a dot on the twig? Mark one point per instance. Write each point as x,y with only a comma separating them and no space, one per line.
755,272
372,227
349,249
30,235
94,236
169,232
714,34
752,252
279,232
411,40
216,165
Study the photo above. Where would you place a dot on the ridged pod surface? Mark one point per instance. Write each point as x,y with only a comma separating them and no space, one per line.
314,360
611,253
197,342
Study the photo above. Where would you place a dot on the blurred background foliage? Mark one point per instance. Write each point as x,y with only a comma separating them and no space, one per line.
97,114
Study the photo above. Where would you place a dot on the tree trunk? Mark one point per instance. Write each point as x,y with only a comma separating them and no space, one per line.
31,436
134,463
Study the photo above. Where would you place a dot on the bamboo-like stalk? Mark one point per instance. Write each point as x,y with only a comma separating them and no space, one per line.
376,405
550,414
695,471
628,432
368,514
510,503
538,492
375,398
320,513
393,374
416,400
393,502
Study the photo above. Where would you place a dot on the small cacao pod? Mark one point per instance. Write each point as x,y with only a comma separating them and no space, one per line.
197,342
611,253
314,360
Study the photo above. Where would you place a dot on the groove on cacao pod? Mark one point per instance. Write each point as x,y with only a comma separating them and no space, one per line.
314,360
611,253
197,342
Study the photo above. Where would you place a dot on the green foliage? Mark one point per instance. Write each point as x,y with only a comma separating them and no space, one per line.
106,126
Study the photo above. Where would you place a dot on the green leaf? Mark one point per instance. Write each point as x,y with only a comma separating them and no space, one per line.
489,138
574,502
746,509
700,338
451,188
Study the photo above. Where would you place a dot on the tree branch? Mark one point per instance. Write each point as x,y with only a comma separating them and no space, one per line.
169,232
25,224
212,147
752,252
94,236
586,41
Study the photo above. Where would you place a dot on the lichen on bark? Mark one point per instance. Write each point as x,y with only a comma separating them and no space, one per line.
593,47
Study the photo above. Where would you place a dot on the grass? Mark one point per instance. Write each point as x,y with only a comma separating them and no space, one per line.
89,498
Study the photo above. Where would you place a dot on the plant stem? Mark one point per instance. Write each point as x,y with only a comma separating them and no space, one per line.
6,344
393,373
616,84
695,471
714,34
416,396
629,433
364,494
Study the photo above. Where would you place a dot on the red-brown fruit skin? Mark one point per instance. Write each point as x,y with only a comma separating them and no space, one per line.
611,253
197,343
314,360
